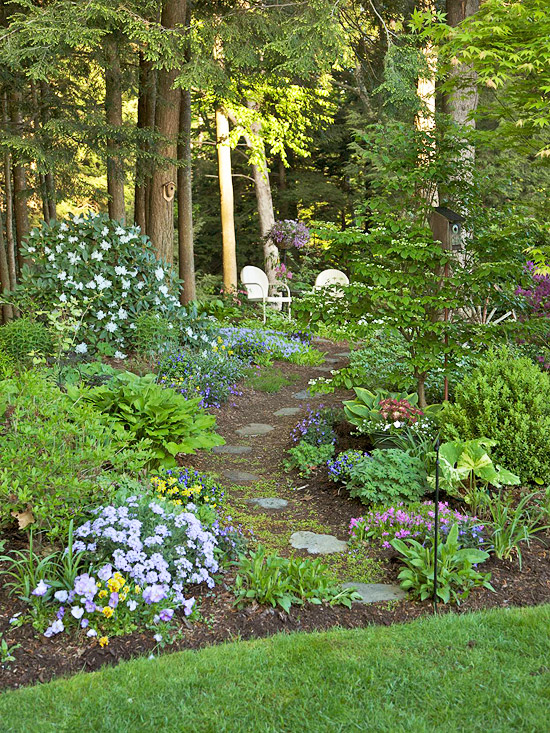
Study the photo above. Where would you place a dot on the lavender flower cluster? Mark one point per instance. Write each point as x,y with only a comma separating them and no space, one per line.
290,233
316,428
247,343
154,545
417,522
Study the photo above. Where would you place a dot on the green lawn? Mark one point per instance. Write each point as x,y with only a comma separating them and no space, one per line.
478,672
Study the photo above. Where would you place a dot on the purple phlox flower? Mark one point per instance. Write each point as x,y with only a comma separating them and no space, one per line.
41,589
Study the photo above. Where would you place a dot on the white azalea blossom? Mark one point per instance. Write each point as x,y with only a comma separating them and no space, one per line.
163,289
121,270
122,314
105,245
159,273
62,275
81,348
97,255
63,298
119,355
100,315
111,327
126,284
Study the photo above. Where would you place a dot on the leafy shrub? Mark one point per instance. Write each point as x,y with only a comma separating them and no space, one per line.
506,400
269,578
387,476
153,334
168,421
23,336
53,452
456,574
210,374
307,457
416,521
6,365
109,270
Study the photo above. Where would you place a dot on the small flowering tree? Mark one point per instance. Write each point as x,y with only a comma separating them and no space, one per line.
108,271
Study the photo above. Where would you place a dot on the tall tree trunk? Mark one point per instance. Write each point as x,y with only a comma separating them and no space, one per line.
186,257
6,311
461,103
145,123
425,120
167,115
10,240
113,117
226,199
49,181
37,129
264,199
20,193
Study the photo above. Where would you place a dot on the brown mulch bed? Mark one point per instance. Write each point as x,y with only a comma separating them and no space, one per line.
39,659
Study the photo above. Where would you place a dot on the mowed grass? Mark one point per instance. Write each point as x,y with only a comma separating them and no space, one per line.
485,672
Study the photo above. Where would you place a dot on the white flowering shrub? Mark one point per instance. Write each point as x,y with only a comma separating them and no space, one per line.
109,270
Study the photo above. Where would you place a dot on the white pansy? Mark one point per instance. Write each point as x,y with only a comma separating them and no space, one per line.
62,275
96,255
119,355
397,424
164,290
100,315
122,314
159,273
81,348
111,327
121,270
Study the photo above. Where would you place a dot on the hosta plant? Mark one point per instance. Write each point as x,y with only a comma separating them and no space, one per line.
144,408
457,570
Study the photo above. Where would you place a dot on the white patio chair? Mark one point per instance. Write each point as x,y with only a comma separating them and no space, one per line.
331,279
258,289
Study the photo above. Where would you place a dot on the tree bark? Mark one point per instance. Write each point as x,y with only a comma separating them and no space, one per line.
19,178
186,253
167,114
10,241
51,197
226,198
6,311
113,117
145,122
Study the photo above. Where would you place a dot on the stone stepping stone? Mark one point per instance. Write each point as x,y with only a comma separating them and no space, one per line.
235,475
319,340
317,544
284,411
255,428
305,394
323,368
373,592
343,354
269,503
234,450
330,360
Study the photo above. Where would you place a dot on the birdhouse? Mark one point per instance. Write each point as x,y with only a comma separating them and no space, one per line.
168,191
446,226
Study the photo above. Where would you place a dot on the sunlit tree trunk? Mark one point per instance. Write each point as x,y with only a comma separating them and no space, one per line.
425,119
113,116
185,203
226,201
10,240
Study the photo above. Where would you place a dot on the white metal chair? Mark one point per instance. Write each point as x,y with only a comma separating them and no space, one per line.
258,289
331,279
